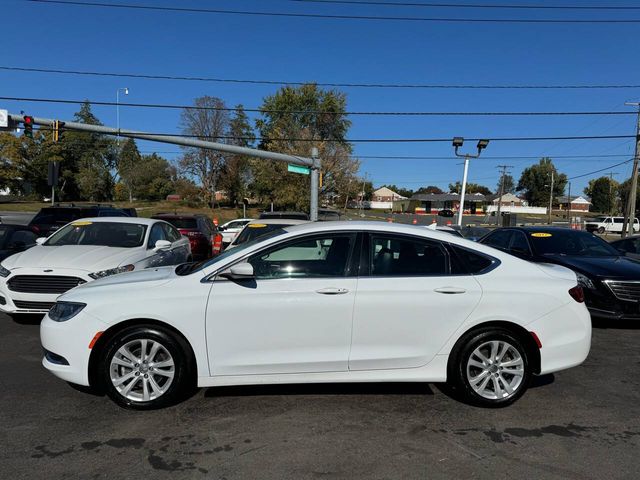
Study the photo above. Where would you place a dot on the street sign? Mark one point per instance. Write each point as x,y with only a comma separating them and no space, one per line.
298,169
4,119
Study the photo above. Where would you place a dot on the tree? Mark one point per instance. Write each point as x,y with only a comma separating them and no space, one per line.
471,188
535,181
429,189
405,192
210,121
236,174
89,159
604,194
294,120
509,185
129,163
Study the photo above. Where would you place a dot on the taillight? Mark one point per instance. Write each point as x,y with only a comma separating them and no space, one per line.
577,293
216,244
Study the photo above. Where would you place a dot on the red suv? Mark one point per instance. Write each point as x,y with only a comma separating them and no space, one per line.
203,235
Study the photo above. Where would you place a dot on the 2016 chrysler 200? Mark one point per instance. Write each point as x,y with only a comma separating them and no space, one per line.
323,302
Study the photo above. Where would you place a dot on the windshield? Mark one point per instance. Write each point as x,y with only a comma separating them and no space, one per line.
570,242
4,234
107,234
257,230
599,219
189,268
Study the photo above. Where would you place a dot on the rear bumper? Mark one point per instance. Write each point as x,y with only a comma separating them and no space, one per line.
565,335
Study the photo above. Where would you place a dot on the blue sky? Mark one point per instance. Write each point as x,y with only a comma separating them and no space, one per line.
213,45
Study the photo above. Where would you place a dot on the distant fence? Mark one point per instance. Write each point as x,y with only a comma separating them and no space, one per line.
517,209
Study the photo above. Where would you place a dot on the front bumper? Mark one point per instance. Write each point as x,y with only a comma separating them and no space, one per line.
16,303
70,340
602,304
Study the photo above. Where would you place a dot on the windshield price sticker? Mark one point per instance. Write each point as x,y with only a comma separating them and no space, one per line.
541,235
256,225
81,224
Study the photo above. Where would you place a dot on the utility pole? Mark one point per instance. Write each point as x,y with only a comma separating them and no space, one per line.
630,209
569,205
504,172
550,198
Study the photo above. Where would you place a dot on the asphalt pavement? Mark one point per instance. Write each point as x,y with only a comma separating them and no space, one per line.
582,423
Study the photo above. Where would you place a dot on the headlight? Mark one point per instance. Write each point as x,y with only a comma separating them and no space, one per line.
584,281
111,271
4,272
63,311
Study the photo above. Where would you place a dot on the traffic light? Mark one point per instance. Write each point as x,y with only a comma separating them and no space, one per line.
28,126
57,127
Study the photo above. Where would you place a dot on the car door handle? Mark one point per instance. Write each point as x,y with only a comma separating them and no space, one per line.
333,291
449,290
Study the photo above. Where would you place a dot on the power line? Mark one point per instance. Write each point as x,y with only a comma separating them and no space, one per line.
334,16
320,84
317,112
471,6
600,170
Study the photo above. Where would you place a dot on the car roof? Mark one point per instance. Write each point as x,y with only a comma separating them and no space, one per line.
278,221
542,229
137,220
178,215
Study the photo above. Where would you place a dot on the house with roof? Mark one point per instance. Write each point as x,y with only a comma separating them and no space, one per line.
578,203
426,203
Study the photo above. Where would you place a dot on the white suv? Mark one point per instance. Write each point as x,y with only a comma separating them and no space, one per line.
609,224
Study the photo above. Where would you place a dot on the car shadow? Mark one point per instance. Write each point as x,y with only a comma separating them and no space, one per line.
601,324
27,319
542,380
401,388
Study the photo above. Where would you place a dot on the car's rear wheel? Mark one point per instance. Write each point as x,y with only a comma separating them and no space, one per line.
145,368
490,368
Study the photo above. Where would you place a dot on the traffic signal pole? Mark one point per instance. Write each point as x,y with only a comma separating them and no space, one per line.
313,163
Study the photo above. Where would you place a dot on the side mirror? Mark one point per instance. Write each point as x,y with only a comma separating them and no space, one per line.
162,245
222,228
41,240
241,271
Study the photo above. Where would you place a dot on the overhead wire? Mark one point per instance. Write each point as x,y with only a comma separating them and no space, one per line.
254,13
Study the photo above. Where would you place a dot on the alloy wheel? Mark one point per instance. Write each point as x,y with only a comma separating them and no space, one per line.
495,370
142,370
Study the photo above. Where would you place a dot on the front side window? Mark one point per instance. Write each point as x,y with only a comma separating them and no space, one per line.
108,234
318,256
157,233
171,233
404,256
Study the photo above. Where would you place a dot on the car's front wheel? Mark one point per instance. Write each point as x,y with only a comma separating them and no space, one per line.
490,368
145,367
600,230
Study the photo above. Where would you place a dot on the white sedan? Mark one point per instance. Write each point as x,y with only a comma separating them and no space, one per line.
231,229
323,302
82,251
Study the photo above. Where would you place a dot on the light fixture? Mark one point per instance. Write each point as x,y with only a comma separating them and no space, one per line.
458,141
482,144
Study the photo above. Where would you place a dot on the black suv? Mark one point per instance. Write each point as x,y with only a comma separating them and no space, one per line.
611,282
50,219
15,239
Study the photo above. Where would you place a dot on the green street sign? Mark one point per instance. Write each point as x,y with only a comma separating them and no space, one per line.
298,169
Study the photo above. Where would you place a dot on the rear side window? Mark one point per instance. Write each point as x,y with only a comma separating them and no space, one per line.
404,256
465,262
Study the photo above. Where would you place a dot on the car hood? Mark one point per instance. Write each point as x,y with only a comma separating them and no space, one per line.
82,257
601,267
158,275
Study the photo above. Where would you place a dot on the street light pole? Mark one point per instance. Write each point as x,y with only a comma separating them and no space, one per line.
551,199
126,92
457,143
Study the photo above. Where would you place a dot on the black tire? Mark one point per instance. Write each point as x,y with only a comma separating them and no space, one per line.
175,349
459,368
600,230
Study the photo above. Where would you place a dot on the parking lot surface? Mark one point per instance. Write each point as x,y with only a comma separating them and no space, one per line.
583,423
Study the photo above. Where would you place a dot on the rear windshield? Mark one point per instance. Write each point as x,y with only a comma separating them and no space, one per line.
570,242
256,230
190,223
108,234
